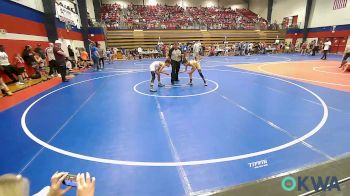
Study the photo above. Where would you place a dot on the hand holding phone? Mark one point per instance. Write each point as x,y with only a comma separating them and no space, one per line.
70,180
56,182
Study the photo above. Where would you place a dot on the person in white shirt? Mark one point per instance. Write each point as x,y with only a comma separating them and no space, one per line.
250,48
157,68
8,68
346,55
326,48
196,49
52,60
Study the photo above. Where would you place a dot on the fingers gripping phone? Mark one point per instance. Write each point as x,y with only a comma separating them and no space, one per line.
70,180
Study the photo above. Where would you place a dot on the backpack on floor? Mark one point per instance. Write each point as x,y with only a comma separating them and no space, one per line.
36,76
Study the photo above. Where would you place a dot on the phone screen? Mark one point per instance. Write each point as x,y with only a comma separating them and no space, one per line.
71,180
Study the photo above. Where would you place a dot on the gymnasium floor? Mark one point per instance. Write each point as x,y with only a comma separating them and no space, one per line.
287,111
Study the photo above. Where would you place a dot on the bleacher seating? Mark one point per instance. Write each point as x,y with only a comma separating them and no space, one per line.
148,39
176,17
156,21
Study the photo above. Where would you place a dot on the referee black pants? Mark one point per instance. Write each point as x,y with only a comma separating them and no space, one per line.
175,69
324,57
346,56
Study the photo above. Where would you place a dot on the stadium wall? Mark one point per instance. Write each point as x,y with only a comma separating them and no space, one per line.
322,14
90,8
283,8
34,4
259,7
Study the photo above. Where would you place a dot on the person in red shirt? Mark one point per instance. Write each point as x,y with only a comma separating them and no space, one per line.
19,63
60,60
303,48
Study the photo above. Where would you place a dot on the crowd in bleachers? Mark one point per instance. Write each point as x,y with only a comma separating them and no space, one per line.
176,17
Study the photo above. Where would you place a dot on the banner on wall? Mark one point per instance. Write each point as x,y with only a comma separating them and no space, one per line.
67,13
339,4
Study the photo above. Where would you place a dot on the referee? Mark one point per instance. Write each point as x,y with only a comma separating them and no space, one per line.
175,55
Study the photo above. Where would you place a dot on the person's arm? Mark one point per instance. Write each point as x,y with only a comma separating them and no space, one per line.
85,186
160,70
56,182
97,54
61,53
184,69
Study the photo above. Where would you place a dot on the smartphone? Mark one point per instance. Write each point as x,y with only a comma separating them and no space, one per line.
70,180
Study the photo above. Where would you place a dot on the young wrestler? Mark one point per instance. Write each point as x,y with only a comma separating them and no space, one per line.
157,68
195,65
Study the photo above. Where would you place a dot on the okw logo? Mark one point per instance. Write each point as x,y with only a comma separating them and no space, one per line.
303,183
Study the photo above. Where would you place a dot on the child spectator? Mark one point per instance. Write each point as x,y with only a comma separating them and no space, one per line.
84,57
40,66
19,63
69,64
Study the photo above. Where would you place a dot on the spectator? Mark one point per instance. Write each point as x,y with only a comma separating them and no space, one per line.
4,89
40,51
326,48
303,48
12,185
8,68
95,56
52,60
60,60
40,65
315,48
84,57
19,63
102,54
69,64
28,56
71,53
139,51
109,55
